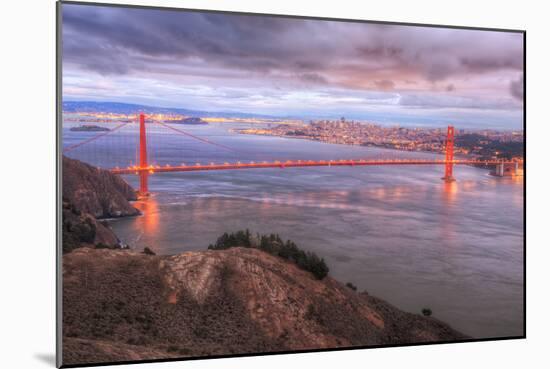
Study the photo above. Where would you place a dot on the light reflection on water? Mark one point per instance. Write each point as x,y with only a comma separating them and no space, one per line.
400,233
149,224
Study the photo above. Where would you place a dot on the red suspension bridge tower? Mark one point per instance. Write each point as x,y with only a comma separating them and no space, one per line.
143,175
449,154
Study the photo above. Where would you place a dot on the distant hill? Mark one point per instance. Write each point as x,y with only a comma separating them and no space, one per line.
124,108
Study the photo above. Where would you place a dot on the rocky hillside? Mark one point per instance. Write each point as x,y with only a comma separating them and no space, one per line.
96,191
81,229
90,194
125,305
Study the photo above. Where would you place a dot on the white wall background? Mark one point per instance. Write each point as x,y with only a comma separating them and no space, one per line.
27,180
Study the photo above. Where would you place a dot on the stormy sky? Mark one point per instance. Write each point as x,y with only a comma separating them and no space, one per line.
293,67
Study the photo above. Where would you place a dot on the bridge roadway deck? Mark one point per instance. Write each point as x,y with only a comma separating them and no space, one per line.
294,164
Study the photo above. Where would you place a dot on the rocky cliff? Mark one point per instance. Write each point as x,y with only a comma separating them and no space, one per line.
96,191
90,194
124,305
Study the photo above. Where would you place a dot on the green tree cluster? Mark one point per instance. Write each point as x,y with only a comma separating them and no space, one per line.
274,245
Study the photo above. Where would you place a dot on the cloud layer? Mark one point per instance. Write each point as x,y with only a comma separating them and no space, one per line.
285,66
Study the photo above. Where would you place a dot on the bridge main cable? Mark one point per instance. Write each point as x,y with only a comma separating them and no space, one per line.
78,144
196,137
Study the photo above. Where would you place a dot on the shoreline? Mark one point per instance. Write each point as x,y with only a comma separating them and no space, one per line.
305,138
383,147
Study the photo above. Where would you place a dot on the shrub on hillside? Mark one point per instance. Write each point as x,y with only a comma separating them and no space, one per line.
274,245
148,251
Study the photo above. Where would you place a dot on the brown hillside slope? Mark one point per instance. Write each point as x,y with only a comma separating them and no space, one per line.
124,305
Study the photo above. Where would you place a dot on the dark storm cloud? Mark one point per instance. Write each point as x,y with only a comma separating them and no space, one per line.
113,41
439,53
279,65
117,35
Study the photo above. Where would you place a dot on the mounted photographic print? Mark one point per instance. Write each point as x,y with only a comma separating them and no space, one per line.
246,184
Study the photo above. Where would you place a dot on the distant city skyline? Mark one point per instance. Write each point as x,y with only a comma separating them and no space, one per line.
293,67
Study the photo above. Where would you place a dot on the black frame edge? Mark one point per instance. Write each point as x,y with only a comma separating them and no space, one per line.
58,186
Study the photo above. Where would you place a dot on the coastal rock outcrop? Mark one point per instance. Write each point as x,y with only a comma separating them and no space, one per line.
90,194
81,229
240,300
96,191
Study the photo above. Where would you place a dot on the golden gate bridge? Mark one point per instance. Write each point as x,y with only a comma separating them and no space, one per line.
144,169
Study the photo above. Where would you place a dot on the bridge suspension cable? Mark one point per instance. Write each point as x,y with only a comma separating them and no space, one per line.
81,143
180,131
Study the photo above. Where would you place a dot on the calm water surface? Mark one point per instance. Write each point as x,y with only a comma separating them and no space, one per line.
398,232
